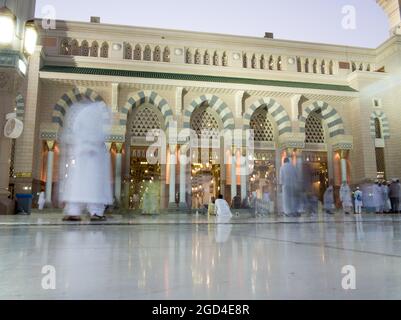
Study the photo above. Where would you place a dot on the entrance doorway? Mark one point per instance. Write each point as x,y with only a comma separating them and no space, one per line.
263,179
145,180
315,172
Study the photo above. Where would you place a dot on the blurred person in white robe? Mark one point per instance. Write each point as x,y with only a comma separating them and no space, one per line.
42,200
328,200
386,197
85,162
223,212
346,198
288,181
378,197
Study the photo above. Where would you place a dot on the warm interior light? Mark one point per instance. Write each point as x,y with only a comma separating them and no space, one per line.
31,37
7,29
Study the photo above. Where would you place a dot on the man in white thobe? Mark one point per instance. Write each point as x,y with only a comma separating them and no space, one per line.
288,181
358,201
86,165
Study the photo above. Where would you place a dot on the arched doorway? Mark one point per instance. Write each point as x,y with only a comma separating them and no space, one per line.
207,171
263,179
144,170
315,156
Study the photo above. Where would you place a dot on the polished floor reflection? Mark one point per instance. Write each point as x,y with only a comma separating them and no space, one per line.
300,260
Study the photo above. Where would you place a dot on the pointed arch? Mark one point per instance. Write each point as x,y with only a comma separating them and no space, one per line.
94,52
166,54
85,48
279,63
254,62
385,127
197,57
216,59
206,58
245,60
224,61
127,51
104,50
307,65
75,49
68,99
65,48
147,53
331,67
330,116
314,67
281,117
218,105
271,63
138,52
263,62
188,56
157,54
151,97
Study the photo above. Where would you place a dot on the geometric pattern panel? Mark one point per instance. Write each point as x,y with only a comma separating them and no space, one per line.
330,116
262,127
314,132
68,99
215,103
385,127
144,121
148,97
205,124
20,106
276,110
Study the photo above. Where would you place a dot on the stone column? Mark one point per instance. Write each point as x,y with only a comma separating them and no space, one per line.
49,177
183,168
244,176
233,176
173,162
299,163
117,176
114,96
344,172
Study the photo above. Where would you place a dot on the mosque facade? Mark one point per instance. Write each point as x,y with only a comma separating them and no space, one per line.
332,109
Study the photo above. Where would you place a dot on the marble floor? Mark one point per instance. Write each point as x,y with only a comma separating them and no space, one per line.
191,257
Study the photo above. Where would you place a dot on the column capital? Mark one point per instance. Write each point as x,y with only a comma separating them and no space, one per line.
119,147
343,154
108,145
50,144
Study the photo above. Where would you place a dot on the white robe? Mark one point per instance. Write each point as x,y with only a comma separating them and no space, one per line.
41,200
86,164
378,200
223,212
346,196
289,180
329,199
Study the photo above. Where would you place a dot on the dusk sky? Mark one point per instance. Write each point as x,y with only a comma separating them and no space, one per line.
305,20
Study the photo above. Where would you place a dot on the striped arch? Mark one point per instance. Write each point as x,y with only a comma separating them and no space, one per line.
68,99
148,97
383,121
20,106
218,105
277,111
330,116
